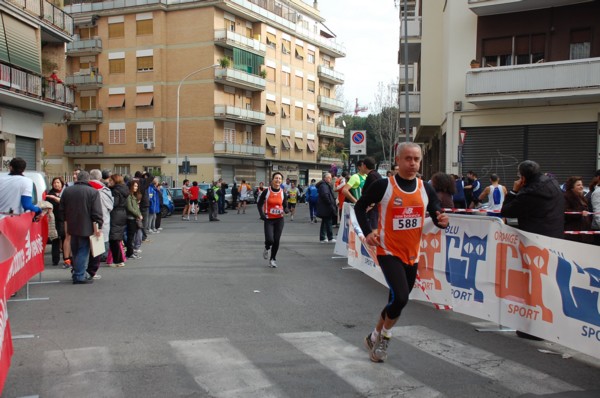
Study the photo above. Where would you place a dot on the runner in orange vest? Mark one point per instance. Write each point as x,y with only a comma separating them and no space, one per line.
272,204
402,201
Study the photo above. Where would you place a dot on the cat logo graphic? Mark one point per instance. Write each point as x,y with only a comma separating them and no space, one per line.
431,244
579,288
522,284
461,268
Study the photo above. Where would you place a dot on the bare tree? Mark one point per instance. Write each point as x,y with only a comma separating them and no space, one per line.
386,123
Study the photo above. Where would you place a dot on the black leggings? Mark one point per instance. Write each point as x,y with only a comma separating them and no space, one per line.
273,230
400,278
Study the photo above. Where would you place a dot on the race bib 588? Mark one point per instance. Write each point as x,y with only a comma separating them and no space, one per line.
405,218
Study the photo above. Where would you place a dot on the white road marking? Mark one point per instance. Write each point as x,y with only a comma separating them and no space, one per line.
353,365
222,370
509,374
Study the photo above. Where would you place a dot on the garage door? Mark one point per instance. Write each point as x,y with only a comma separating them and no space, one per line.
26,149
489,150
564,149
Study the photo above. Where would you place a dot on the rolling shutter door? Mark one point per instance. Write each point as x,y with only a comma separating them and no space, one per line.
564,149
227,174
490,150
26,149
22,43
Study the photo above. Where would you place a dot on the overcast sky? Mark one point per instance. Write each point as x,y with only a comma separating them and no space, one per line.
369,31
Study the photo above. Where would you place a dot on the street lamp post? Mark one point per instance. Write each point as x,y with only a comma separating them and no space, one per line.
177,120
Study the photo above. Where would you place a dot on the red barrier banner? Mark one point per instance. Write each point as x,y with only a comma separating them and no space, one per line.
22,244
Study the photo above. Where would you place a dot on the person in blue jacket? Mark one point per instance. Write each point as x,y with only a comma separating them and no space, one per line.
312,197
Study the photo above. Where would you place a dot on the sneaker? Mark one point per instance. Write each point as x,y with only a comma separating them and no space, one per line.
324,241
120,265
292,218
266,254
369,343
67,263
332,241
160,229
272,264
135,257
137,251
379,352
95,277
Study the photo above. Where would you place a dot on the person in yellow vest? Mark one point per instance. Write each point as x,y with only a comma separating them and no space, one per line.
402,201
272,205
292,199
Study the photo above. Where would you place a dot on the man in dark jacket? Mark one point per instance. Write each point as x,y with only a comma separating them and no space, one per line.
326,208
537,201
82,208
144,181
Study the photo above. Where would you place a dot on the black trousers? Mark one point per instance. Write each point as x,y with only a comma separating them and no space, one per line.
273,230
132,229
401,280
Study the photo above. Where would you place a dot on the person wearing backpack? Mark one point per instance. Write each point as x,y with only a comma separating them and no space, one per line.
494,193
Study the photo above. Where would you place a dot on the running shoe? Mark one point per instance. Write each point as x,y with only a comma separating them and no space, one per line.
332,240
266,254
272,264
369,343
379,352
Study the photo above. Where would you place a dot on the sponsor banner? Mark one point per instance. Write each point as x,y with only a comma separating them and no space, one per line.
483,268
22,245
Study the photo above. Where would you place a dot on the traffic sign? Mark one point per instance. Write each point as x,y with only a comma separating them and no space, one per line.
463,135
358,142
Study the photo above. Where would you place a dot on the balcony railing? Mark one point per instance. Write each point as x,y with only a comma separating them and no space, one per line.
48,13
238,149
228,38
330,104
569,80
414,102
411,73
241,79
493,7
231,113
35,86
85,81
84,47
330,131
93,116
84,148
329,75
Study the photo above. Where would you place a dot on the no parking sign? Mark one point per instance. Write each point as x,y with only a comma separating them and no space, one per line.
358,142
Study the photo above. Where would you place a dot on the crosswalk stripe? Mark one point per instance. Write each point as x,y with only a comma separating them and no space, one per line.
80,372
222,370
353,365
510,374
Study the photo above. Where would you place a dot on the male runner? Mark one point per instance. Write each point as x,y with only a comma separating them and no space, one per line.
402,201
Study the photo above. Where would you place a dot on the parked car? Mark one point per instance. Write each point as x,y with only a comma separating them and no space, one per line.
229,200
179,202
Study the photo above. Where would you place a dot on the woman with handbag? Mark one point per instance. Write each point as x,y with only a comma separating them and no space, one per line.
134,218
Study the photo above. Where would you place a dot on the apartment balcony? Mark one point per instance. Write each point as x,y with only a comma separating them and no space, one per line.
84,149
240,115
228,39
85,81
414,102
414,28
494,7
411,73
562,82
92,116
330,104
51,18
330,131
229,149
240,79
81,48
31,91
329,75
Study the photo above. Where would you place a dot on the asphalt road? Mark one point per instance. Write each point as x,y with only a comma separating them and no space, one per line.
202,315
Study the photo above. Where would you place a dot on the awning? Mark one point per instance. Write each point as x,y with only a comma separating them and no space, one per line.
271,141
310,114
271,107
286,47
144,99
299,51
116,101
311,145
299,144
271,38
286,143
